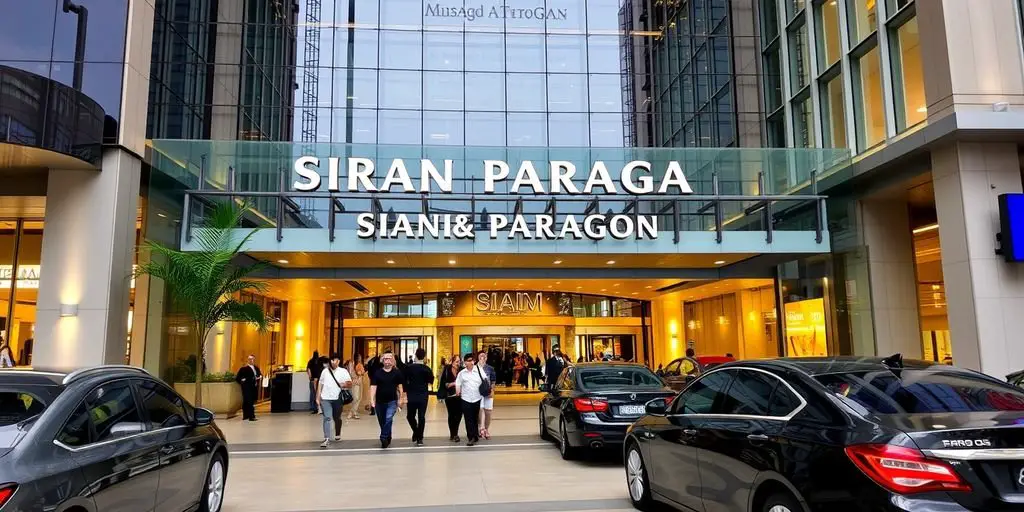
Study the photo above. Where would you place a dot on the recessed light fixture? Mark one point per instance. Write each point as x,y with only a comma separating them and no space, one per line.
648,287
604,289
634,293
283,262
323,287
161,215
558,282
579,287
556,262
334,295
720,262
610,262
451,262
616,284
391,262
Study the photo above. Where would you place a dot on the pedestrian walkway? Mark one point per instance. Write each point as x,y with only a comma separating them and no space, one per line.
276,465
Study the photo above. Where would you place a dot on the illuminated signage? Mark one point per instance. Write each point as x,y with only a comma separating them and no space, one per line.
509,303
28,277
633,178
499,12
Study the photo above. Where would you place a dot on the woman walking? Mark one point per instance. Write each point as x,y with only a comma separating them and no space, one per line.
452,402
333,380
358,373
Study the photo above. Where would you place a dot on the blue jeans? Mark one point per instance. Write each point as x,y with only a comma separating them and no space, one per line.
385,417
312,396
332,413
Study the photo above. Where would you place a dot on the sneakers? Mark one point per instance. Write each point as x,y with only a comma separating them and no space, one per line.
419,442
337,438
455,439
326,443
471,442
384,443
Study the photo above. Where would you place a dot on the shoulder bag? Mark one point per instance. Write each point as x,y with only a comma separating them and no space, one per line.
485,384
346,395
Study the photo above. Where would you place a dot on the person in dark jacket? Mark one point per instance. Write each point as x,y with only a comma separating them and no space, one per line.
313,370
248,377
446,394
418,379
553,368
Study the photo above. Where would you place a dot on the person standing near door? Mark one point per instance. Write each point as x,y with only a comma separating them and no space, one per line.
385,395
467,387
248,377
418,378
555,365
328,397
313,370
446,395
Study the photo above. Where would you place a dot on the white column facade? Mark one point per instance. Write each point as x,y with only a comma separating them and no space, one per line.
985,294
88,248
894,306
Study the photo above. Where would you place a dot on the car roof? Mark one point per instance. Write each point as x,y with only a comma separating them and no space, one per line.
607,364
55,377
814,366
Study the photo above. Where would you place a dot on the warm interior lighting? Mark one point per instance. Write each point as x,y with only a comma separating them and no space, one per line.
610,262
68,310
925,229
451,262
720,262
922,109
283,262
390,262
557,262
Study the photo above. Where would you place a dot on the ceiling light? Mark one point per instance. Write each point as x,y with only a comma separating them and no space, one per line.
579,287
558,282
922,109
634,293
648,287
333,295
557,262
161,215
610,262
391,262
616,284
283,262
925,229
323,287
451,262
720,262
604,289
549,286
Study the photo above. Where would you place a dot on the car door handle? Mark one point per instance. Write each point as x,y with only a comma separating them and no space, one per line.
689,432
167,450
757,437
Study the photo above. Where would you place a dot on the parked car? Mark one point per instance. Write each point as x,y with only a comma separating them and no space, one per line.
832,434
681,371
108,438
1016,378
592,404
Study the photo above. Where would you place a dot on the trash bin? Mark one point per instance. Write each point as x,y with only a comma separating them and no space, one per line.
281,392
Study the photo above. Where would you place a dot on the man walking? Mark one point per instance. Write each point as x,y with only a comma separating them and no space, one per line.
328,397
385,394
248,377
467,387
487,402
418,378
553,368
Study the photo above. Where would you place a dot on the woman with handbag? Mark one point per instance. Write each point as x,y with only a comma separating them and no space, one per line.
446,395
333,395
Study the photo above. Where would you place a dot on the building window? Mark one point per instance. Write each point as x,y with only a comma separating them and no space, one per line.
803,122
769,21
862,17
896,5
833,114
793,7
800,57
829,49
772,79
907,76
776,130
869,106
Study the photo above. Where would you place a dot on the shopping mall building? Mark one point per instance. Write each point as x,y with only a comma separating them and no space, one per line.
614,177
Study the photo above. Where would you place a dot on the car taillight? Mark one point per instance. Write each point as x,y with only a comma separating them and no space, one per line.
905,470
6,491
589,405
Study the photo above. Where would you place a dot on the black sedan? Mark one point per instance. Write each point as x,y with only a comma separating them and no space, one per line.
832,434
105,439
592,404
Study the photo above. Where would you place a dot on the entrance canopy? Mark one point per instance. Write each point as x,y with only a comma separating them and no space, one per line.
330,206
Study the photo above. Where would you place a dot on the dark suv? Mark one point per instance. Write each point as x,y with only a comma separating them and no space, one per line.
107,438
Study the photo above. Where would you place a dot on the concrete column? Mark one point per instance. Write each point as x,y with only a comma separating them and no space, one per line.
87,263
894,306
985,295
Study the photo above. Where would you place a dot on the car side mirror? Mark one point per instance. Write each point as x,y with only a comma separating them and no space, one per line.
657,407
127,428
203,417
546,388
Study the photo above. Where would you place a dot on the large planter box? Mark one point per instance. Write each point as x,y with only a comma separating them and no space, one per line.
221,398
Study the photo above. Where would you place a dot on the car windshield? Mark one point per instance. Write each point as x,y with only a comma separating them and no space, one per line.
921,391
614,378
17,411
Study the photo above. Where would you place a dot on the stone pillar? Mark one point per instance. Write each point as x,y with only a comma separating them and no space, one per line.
894,305
985,295
87,263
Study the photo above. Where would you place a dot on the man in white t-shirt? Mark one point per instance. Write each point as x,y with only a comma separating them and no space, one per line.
467,386
333,379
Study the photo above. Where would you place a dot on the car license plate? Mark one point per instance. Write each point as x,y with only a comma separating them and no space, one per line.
631,410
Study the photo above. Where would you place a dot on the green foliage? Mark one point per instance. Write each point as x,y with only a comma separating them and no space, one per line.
219,377
204,283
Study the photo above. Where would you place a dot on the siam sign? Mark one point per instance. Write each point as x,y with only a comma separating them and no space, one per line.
633,178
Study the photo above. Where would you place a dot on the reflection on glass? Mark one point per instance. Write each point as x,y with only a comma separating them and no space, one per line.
769,20
800,57
833,116
442,90
446,51
773,80
485,129
828,34
526,92
911,106
485,91
895,5
567,93
443,128
868,104
776,128
862,17
803,122
527,129
401,49
568,130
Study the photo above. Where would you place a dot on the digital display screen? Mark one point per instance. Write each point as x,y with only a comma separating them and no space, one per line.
1011,219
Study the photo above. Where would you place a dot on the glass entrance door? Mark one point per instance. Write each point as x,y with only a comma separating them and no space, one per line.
609,346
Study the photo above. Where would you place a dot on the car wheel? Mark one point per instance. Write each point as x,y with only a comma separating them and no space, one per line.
781,503
566,449
636,479
544,434
213,489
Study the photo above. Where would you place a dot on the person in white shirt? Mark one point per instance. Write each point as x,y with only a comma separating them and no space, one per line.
333,379
467,386
6,357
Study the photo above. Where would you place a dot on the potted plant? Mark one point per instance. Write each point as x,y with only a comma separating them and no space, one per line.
221,395
204,283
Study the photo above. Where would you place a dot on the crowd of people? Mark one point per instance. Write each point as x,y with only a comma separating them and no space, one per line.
384,385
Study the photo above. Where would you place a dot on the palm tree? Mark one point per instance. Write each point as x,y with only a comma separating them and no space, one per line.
204,282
